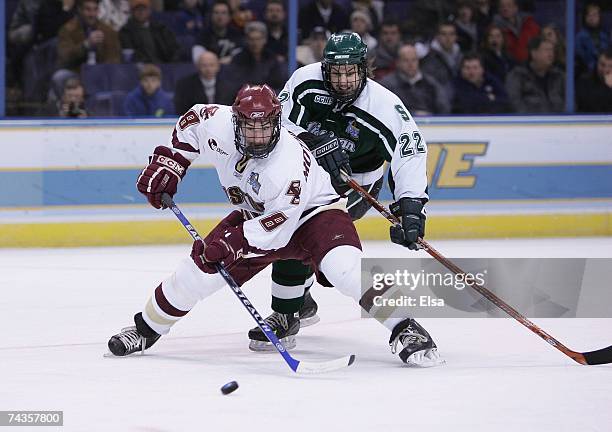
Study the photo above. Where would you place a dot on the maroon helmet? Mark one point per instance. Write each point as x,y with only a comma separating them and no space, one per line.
257,119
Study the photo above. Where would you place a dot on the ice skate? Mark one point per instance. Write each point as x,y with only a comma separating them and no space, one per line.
418,348
285,326
132,339
308,311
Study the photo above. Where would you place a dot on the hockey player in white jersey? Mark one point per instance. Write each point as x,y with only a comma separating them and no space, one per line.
351,123
288,210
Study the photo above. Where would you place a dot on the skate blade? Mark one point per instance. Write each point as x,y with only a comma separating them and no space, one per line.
425,359
260,346
305,322
109,354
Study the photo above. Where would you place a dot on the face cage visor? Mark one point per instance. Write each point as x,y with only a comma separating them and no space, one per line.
256,138
344,81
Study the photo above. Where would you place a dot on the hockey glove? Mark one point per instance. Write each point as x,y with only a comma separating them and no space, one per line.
163,174
412,216
226,249
330,156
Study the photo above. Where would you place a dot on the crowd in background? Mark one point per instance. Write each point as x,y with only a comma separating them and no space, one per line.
79,58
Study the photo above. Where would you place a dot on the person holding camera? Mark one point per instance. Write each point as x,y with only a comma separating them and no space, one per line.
70,105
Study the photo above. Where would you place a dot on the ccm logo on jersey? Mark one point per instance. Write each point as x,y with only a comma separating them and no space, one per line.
273,221
189,119
257,114
324,100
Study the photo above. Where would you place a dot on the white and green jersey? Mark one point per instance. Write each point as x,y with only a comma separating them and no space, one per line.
376,128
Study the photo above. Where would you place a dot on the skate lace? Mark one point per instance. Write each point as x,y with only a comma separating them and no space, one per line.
130,338
277,319
406,337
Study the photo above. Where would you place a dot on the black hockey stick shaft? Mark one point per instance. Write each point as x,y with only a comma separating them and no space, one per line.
602,356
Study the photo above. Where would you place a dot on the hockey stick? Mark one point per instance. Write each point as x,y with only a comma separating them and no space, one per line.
602,356
295,365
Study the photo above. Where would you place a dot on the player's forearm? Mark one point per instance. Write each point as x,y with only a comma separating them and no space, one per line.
410,179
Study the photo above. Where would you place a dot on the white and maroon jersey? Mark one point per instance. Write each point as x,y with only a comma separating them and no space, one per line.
279,192
375,128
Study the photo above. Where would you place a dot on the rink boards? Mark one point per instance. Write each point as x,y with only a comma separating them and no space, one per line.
73,182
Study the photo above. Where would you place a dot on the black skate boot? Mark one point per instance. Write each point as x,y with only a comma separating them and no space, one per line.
285,326
131,339
419,349
308,311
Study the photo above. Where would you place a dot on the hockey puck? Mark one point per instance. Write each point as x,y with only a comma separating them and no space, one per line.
229,387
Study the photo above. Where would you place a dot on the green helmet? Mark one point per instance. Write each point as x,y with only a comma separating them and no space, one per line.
347,49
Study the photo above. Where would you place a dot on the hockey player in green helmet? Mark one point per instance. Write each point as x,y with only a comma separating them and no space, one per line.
352,124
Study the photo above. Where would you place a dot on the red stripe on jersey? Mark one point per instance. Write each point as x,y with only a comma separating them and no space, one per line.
165,305
182,145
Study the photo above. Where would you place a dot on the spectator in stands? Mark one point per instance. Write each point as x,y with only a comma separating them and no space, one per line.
442,61
361,23
477,92
203,87
151,41
467,30
220,37
537,87
189,20
312,50
241,13
551,33
518,29
592,39
71,104
385,54
187,26
374,8
483,15
416,89
425,16
51,16
148,99
20,36
496,61
21,27
114,13
594,93
86,39
255,64
278,39
323,13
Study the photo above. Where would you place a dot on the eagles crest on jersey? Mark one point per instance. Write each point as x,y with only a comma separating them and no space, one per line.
375,128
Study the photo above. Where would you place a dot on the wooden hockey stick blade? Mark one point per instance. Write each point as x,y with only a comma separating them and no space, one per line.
310,368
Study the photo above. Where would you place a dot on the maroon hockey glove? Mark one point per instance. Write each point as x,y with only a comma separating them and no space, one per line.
226,249
163,174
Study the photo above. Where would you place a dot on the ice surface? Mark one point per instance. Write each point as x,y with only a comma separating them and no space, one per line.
58,308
